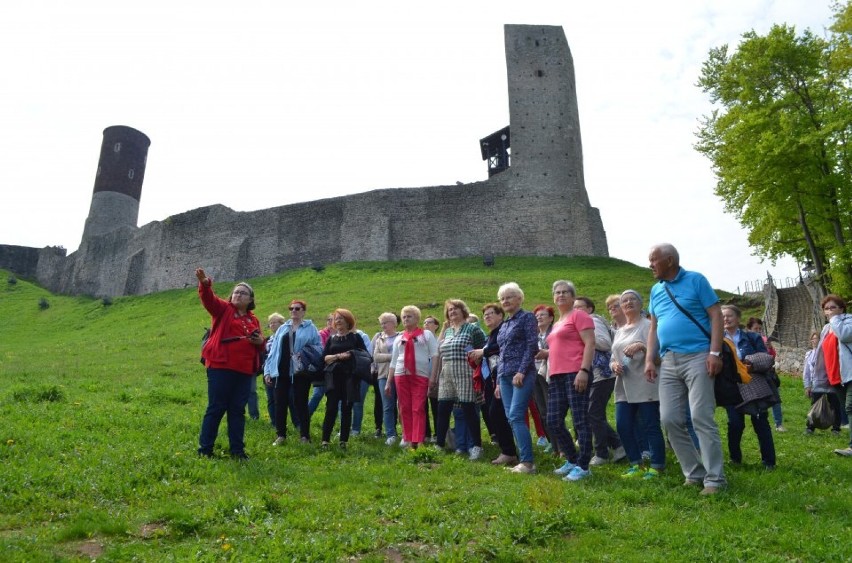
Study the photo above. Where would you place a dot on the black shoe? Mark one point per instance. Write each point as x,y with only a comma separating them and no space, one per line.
378,433
342,445
241,456
202,453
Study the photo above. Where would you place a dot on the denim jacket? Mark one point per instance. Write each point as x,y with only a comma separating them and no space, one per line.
306,333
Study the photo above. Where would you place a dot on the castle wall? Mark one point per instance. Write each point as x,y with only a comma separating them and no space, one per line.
538,207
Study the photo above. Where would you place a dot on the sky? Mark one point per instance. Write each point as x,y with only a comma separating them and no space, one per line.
264,103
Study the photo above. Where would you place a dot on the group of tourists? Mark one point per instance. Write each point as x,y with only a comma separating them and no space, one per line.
658,359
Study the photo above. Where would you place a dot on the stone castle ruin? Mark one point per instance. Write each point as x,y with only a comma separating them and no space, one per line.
541,184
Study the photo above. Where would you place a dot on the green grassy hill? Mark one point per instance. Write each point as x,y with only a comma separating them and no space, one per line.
101,403
163,329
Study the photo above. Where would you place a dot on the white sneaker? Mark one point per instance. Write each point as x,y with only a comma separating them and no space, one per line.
598,461
618,453
390,441
404,443
527,468
475,453
279,440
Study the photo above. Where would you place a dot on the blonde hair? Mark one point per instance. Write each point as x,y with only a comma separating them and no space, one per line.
510,287
276,316
387,317
413,310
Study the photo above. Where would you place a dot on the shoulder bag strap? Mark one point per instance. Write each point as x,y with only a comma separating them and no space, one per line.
684,311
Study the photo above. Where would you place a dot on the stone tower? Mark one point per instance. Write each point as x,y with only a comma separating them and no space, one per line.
118,181
544,119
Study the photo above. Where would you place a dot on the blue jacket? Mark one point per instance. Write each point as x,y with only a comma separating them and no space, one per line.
749,343
306,333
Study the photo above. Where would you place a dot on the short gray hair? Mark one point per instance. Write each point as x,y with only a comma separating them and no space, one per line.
566,283
667,249
634,293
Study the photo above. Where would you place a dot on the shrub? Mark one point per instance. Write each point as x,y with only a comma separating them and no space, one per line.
12,280
43,304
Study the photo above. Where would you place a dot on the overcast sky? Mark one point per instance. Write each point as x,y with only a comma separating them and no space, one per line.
260,104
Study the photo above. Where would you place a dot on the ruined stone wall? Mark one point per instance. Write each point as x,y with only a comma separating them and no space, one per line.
540,203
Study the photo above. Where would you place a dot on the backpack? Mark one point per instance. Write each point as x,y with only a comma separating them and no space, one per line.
204,338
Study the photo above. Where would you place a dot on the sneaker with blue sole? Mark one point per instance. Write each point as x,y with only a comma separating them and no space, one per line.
651,474
565,469
632,471
577,474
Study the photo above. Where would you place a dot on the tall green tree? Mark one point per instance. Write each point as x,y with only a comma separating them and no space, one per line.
779,142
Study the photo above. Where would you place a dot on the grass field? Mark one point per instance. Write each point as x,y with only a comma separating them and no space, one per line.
101,403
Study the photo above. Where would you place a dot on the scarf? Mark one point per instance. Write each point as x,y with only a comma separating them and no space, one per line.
409,360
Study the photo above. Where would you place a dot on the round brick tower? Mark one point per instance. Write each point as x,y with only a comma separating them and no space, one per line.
118,181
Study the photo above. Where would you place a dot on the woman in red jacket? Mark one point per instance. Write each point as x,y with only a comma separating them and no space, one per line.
231,355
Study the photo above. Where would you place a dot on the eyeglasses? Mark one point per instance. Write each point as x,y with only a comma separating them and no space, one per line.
629,300
295,308
241,292
830,307
562,292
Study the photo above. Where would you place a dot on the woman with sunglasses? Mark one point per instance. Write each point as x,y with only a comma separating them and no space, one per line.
286,373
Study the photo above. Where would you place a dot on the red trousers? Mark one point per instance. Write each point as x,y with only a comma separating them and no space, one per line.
411,393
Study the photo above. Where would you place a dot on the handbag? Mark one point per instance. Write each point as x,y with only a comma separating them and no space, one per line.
821,414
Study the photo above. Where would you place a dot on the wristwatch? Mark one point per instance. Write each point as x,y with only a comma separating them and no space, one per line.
717,354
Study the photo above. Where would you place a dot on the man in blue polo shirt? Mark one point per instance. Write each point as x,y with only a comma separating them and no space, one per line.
689,361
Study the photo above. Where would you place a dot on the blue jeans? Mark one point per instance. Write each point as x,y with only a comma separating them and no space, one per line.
388,407
358,408
316,399
760,423
270,402
252,400
516,401
691,429
647,416
777,415
227,392
463,439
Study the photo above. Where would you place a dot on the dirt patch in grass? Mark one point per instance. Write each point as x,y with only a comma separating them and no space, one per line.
91,549
406,551
151,530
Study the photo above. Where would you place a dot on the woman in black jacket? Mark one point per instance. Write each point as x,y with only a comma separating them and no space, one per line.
341,383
